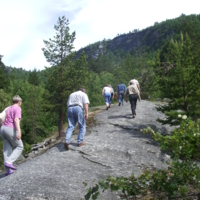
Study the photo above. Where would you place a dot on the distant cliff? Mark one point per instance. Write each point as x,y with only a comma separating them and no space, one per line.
150,39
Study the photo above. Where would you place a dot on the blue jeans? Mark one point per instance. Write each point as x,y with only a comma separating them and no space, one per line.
75,114
121,98
107,97
111,98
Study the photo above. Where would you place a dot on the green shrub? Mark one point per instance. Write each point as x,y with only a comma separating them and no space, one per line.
184,142
27,148
181,179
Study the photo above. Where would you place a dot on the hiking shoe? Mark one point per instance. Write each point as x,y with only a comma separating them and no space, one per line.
133,116
106,108
10,171
119,103
11,166
81,144
66,145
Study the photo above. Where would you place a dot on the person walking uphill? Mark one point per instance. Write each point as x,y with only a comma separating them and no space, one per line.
133,93
135,83
10,133
112,93
106,94
77,102
121,88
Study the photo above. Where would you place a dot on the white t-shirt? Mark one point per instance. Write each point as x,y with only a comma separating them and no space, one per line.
107,89
135,82
79,98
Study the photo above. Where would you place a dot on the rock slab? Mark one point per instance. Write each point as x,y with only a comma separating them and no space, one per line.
114,146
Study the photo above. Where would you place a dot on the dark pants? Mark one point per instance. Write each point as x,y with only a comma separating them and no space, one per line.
133,102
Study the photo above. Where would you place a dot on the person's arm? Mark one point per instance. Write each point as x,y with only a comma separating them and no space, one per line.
103,93
138,85
139,96
17,125
86,110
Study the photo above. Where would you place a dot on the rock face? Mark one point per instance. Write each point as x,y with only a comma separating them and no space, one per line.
114,146
151,38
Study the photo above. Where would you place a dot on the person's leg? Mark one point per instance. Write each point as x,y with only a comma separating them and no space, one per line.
122,100
119,98
71,123
131,99
134,99
10,143
7,148
111,98
107,99
81,124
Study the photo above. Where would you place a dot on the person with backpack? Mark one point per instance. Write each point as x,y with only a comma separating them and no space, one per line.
121,88
10,133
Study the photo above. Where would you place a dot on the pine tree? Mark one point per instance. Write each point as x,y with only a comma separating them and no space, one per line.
34,78
178,79
57,52
4,81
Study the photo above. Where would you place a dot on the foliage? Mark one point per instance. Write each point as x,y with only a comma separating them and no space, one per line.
34,78
4,81
27,148
183,142
180,180
4,100
178,79
58,48
57,53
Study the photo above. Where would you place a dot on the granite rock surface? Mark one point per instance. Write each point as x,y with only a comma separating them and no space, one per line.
114,146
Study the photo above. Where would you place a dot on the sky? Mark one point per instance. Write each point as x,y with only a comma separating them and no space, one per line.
25,24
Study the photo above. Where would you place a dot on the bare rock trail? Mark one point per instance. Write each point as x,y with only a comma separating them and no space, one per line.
114,146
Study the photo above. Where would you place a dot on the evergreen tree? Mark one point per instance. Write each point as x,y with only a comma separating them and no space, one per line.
56,52
178,79
34,78
4,100
4,80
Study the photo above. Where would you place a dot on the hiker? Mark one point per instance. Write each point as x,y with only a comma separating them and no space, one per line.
106,94
77,103
112,93
10,133
121,88
133,93
135,83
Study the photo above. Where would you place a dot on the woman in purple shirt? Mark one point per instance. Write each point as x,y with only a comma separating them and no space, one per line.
10,133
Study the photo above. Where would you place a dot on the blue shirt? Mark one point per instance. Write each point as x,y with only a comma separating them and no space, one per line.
121,88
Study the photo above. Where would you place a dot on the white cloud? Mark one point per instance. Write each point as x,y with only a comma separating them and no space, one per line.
26,23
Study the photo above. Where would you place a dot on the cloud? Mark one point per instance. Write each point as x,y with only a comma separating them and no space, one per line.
26,24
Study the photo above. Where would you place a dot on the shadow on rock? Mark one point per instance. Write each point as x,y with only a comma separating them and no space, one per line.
128,116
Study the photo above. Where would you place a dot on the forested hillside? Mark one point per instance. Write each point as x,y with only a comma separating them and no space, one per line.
164,58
